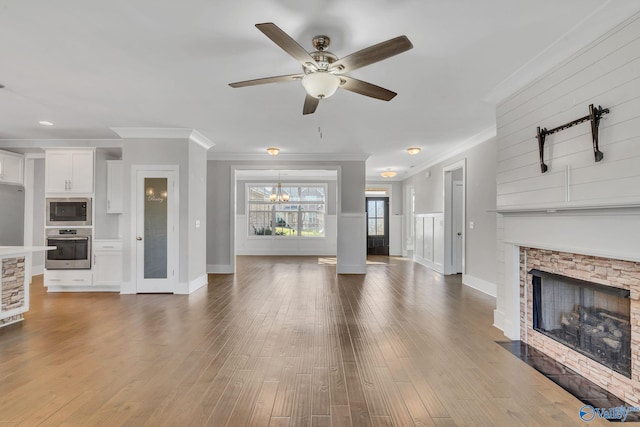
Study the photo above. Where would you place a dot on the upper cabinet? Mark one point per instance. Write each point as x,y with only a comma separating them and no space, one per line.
69,171
114,186
11,168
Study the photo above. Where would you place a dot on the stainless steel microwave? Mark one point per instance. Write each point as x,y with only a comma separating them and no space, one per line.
65,212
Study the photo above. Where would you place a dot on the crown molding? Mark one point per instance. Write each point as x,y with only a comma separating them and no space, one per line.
61,143
594,26
201,140
467,144
165,133
158,133
299,157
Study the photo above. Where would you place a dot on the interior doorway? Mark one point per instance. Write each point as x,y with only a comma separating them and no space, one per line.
454,217
156,235
457,221
377,211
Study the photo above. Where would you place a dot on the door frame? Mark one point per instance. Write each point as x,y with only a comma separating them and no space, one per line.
408,220
447,171
457,215
174,243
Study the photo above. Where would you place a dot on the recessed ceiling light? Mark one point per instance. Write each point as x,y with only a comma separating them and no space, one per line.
413,150
273,151
45,123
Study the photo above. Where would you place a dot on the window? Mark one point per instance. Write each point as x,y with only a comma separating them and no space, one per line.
303,215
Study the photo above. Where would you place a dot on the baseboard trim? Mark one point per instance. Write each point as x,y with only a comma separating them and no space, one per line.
429,264
481,285
127,289
509,331
52,289
13,322
286,252
220,269
498,320
198,283
351,269
37,270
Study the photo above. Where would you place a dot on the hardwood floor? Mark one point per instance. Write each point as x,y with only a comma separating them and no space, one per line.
284,342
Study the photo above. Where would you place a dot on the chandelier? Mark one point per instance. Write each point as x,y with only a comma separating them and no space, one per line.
279,195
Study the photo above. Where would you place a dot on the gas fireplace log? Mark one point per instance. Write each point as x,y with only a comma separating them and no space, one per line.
614,318
614,344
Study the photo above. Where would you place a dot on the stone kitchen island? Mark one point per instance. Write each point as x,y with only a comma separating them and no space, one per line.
14,281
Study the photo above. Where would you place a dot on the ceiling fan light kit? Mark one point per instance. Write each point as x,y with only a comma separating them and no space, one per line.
323,72
321,84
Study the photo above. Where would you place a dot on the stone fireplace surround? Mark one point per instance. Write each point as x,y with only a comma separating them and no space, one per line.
605,271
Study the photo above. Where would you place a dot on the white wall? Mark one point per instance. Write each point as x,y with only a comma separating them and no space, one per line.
571,207
197,216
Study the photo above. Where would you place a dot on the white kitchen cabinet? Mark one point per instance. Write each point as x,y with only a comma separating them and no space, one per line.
68,280
114,186
107,263
69,171
11,168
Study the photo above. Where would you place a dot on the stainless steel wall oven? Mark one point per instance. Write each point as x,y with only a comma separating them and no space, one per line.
73,248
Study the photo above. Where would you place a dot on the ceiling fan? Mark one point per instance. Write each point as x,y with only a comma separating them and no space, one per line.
323,72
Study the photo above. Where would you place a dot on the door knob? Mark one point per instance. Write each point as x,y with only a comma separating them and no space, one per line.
459,234
138,238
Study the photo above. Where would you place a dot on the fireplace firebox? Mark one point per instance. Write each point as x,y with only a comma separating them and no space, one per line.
590,318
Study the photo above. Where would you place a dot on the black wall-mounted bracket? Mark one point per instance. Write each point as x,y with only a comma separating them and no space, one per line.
594,117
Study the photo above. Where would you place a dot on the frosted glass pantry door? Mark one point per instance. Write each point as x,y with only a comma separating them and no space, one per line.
156,239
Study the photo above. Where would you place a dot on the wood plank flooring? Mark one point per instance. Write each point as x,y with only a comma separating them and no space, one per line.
284,342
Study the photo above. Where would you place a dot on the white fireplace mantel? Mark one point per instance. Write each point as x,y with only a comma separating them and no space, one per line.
608,231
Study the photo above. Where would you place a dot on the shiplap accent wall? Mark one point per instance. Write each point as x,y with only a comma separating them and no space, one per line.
571,196
606,73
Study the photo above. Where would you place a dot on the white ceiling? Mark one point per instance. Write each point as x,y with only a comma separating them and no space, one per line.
91,66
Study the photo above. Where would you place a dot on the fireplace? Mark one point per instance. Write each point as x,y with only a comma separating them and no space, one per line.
583,311
590,318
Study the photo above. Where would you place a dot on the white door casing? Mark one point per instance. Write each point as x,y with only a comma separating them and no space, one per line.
449,266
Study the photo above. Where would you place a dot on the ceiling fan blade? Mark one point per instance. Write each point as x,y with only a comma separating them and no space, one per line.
263,81
287,44
310,104
372,54
366,89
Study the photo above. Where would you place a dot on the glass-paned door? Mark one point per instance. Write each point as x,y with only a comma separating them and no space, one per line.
377,225
156,242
